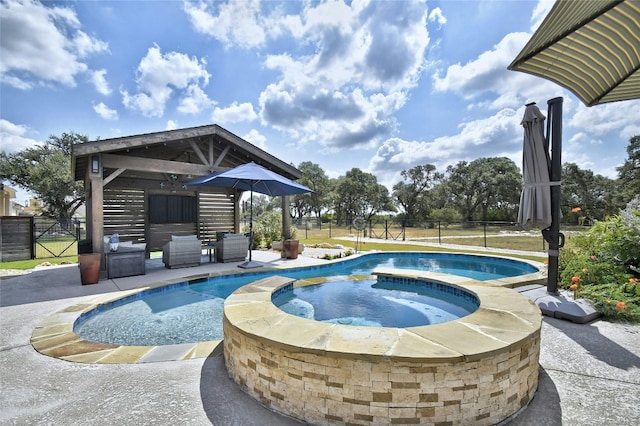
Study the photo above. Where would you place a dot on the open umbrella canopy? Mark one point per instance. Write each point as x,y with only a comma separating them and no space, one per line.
535,200
590,47
252,177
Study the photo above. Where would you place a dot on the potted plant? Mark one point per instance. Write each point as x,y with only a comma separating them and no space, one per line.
89,265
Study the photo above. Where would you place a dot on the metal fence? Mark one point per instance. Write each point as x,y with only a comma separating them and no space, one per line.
499,235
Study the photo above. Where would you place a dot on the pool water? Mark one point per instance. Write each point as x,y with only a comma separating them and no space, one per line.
192,312
376,304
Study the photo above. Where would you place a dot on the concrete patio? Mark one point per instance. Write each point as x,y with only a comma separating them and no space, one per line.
589,375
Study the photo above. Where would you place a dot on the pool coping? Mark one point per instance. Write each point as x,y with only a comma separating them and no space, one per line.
54,336
503,319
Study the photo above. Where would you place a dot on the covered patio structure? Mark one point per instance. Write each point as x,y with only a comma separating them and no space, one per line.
135,186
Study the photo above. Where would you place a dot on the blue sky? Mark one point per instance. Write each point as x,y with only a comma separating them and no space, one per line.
379,85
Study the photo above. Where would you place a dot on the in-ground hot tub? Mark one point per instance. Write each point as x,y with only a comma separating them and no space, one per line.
479,369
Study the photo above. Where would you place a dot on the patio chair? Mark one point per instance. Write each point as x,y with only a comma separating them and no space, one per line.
182,252
232,247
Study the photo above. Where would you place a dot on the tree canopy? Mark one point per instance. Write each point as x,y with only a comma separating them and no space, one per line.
629,172
483,189
45,170
411,195
482,184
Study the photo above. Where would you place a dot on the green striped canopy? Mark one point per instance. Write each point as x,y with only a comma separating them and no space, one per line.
590,47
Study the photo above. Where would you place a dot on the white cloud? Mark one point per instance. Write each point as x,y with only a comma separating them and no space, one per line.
437,16
540,12
254,137
100,82
41,44
237,22
234,113
195,100
621,117
499,135
171,125
345,72
13,137
105,112
159,75
488,75
343,89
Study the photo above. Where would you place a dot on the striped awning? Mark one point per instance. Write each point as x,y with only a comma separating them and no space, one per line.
590,47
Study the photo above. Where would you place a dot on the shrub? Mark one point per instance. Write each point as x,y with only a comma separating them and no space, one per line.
604,263
267,228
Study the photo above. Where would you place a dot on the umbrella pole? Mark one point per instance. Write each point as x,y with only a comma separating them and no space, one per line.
250,263
251,224
552,235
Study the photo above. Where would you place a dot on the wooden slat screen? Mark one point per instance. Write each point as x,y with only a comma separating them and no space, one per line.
124,214
216,214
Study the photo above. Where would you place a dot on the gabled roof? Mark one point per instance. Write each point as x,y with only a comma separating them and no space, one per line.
195,151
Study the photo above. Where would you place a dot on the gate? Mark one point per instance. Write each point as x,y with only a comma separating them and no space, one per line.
56,238
385,229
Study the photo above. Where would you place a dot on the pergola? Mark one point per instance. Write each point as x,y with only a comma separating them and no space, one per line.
135,185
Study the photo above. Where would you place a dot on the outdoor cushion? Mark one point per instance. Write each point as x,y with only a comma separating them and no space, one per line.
183,237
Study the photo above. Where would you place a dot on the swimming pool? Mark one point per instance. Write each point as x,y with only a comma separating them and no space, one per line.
191,312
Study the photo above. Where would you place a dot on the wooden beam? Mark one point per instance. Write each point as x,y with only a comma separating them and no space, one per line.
112,176
117,144
199,153
153,165
221,156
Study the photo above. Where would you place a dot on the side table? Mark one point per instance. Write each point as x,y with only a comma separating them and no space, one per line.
210,247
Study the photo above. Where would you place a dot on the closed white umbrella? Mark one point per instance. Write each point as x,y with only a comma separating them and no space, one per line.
535,200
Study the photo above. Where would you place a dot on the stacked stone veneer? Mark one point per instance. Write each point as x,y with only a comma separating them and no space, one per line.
476,370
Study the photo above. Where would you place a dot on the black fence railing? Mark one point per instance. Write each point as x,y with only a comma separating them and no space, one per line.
491,234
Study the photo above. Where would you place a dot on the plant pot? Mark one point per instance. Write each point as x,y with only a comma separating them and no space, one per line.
89,265
291,249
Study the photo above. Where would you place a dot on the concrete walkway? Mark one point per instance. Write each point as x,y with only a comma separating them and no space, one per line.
590,373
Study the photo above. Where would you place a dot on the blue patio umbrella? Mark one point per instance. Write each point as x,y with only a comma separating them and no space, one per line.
254,178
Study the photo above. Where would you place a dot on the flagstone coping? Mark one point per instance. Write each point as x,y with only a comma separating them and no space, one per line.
504,319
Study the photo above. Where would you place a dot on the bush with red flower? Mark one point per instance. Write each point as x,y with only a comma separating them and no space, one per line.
602,264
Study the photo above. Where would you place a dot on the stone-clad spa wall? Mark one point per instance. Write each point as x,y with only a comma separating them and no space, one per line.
479,369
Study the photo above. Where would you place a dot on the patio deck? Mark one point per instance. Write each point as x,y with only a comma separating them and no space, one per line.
590,373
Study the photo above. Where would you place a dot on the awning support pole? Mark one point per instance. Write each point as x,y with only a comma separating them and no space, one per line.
552,234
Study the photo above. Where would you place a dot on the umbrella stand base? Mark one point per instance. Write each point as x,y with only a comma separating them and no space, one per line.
250,264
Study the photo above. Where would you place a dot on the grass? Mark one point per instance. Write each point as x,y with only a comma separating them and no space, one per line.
377,246
32,263
363,246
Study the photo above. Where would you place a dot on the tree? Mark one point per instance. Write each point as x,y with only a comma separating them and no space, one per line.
482,184
45,170
314,178
359,194
629,172
411,196
591,194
